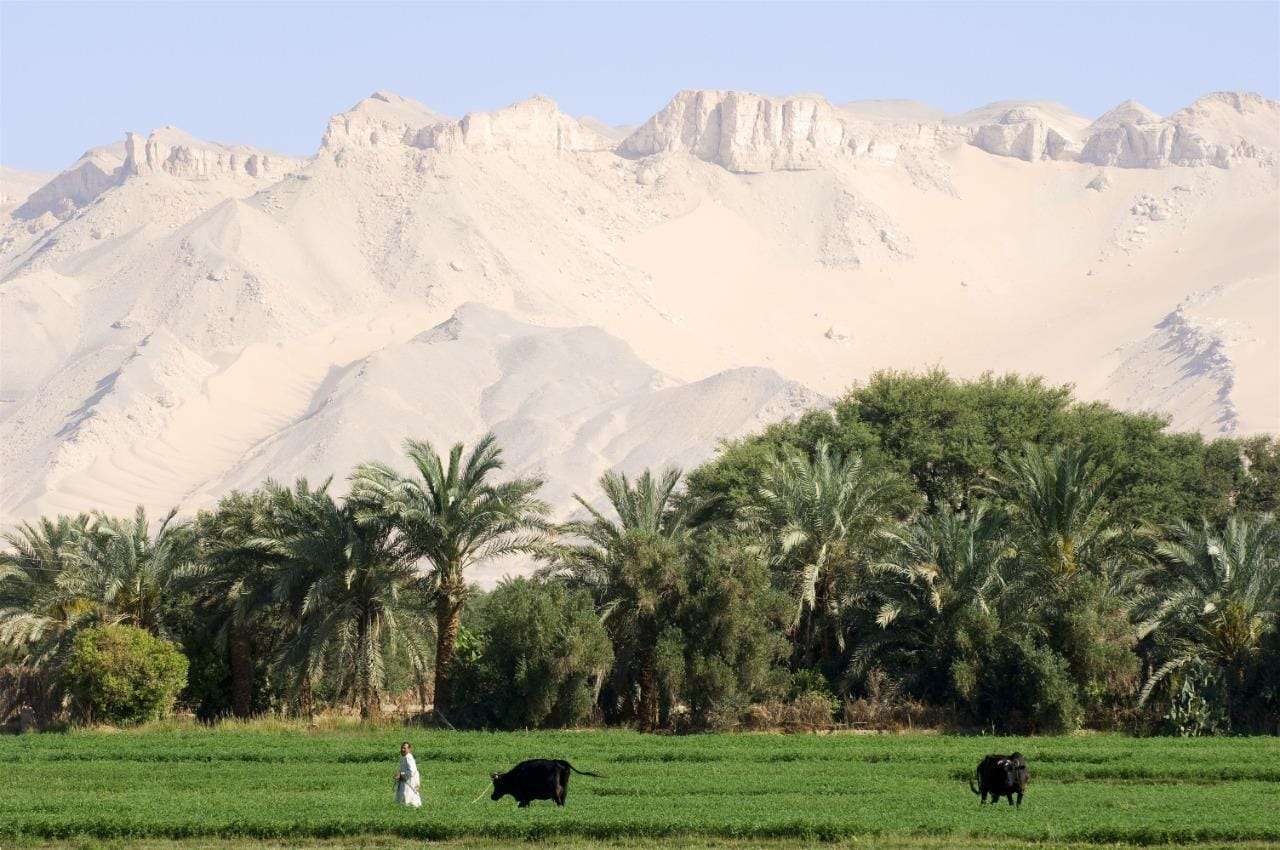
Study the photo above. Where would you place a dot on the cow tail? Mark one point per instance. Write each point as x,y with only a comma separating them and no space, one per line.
974,790
585,772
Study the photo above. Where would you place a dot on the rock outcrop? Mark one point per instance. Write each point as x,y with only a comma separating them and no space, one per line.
1020,133
380,119
173,152
748,133
534,124
89,177
1215,130
1028,130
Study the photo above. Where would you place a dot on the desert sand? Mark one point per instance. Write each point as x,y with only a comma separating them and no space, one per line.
179,317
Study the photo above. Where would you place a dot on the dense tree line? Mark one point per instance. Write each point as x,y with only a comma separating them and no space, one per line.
988,551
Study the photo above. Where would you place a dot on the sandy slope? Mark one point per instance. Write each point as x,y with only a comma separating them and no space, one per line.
178,318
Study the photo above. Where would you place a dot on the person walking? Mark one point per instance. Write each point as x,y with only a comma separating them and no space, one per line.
408,782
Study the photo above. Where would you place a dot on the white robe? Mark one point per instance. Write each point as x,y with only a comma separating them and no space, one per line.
408,787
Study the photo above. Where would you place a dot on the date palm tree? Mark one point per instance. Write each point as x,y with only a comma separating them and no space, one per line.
1062,510
129,571
1223,600
635,568
40,602
942,574
349,591
453,515
823,517
234,579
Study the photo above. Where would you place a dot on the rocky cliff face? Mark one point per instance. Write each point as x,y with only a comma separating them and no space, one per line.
750,133
534,124
381,119
1022,134
1215,130
173,152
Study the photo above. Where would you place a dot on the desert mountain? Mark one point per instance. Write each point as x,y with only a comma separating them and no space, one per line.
181,317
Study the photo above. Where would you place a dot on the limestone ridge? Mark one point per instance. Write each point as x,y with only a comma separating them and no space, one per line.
380,120
1021,133
534,124
96,171
388,121
1217,130
173,152
751,133
168,151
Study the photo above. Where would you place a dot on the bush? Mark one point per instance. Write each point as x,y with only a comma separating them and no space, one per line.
124,675
537,648
1026,688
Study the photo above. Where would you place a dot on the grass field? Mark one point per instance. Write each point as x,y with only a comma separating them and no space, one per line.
201,786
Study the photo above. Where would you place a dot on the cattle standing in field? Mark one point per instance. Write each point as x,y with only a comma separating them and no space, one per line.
536,779
1001,776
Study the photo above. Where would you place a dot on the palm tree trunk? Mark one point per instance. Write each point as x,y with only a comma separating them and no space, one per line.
648,693
448,619
241,670
306,705
368,693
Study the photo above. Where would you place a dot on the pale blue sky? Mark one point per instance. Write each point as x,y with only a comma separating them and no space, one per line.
75,75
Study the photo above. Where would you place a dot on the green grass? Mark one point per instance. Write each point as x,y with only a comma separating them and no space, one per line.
210,784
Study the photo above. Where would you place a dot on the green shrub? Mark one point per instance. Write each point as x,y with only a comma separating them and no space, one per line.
123,675
1026,688
534,650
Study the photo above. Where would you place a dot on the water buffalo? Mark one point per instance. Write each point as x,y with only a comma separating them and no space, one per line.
536,779
1001,776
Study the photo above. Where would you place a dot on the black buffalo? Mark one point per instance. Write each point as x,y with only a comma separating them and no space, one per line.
536,779
1001,776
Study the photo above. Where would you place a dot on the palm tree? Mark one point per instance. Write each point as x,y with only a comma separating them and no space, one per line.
1223,601
822,518
349,588
128,571
40,606
453,516
234,581
635,568
1061,506
944,572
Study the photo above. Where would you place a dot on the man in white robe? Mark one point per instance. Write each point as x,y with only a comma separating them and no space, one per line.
408,783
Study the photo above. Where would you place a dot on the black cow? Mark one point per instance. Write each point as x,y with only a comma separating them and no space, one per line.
1001,776
536,779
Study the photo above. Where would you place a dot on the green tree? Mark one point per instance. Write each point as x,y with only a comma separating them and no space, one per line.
121,565
942,577
1218,603
542,648
635,567
732,631
948,435
348,589
1259,488
234,582
1076,566
123,674
823,520
454,516
41,607
1062,512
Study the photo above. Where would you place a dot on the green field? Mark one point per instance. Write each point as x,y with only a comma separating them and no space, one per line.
200,786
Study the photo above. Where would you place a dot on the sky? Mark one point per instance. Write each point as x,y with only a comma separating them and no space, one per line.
73,76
